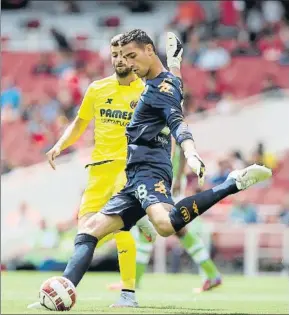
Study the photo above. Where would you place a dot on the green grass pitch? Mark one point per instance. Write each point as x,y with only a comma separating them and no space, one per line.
160,294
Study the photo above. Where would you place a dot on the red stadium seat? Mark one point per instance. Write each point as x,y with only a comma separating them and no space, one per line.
229,242
18,148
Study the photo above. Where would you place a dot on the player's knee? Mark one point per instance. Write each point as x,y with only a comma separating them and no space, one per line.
87,228
82,221
93,225
163,227
164,232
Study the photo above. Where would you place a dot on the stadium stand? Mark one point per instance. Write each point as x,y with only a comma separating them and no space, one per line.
48,101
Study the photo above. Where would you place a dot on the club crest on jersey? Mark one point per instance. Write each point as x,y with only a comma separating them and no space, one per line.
133,104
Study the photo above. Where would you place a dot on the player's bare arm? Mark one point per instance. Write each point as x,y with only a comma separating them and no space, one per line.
69,137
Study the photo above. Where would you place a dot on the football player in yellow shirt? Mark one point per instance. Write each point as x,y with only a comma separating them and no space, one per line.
111,102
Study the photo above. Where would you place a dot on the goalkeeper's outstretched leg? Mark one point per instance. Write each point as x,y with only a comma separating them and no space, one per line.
169,219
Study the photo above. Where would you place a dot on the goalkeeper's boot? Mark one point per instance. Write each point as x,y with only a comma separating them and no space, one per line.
36,306
250,175
127,299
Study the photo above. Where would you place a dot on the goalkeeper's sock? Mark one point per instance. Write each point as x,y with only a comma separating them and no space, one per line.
84,246
127,259
198,252
144,251
189,208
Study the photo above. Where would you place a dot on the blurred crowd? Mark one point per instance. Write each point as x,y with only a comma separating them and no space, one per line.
225,163
214,33
218,33
48,112
242,211
45,246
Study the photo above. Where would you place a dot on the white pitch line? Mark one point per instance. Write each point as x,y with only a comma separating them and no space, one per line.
171,297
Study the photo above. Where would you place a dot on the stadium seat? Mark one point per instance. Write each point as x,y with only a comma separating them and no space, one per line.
229,242
20,64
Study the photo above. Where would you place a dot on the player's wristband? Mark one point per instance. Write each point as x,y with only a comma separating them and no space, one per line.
183,133
184,136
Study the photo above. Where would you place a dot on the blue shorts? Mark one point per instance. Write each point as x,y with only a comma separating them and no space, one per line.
145,186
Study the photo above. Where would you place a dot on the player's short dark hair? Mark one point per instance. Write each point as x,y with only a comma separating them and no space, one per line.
138,36
115,41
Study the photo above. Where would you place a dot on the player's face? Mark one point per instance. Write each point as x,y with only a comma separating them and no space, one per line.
138,58
119,63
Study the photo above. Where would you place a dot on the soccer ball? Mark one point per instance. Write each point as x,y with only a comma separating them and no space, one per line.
57,294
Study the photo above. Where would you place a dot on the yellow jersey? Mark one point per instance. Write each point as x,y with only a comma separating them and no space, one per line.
112,106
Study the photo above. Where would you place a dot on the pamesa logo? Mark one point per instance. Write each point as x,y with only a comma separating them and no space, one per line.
117,114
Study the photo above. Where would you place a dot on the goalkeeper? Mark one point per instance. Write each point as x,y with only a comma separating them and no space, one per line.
190,240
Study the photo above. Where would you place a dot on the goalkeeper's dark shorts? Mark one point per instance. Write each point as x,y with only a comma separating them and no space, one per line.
145,186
